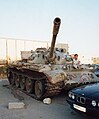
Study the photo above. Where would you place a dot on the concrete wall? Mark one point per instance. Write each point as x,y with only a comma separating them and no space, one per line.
10,48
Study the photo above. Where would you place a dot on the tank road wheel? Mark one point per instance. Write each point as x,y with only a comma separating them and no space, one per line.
17,81
22,83
39,89
29,85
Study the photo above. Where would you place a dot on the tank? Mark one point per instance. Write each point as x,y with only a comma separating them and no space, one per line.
47,72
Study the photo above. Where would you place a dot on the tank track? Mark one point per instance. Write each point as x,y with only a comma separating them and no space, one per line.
49,89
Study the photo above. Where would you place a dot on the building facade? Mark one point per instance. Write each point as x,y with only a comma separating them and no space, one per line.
95,60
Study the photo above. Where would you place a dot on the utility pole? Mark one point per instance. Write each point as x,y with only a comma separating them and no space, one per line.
6,52
15,49
24,45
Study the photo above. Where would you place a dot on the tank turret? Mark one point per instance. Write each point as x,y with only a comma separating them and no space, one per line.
43,55
57,22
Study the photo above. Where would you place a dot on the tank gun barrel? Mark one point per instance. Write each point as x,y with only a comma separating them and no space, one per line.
56,26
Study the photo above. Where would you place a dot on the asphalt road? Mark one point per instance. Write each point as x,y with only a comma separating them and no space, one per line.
58,109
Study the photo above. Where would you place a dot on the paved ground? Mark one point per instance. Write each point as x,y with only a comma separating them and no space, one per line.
58,109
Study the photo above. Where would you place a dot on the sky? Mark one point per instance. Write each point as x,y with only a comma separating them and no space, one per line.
33,19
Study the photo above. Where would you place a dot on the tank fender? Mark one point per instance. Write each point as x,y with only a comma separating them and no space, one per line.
81,78
55,76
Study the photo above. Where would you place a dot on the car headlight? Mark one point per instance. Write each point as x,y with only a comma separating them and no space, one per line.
71,95
93,103
98,104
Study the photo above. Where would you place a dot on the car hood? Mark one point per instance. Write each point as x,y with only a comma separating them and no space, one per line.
90,91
